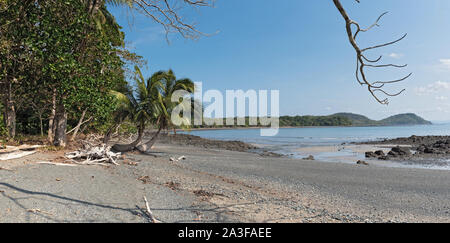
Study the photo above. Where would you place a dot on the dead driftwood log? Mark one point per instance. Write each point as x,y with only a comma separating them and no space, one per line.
17,152
94,155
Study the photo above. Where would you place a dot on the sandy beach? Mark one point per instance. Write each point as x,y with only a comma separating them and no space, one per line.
218,185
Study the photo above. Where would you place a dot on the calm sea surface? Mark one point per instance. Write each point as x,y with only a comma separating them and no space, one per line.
290,139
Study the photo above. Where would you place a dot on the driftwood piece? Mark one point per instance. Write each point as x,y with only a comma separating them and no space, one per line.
58,164
16,155
1,168
94,155
16,152
149,212
24,147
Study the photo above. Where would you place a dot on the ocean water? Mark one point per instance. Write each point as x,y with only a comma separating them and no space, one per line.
289,140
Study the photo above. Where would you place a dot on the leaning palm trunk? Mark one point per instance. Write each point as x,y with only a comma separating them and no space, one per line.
109,133
132,146
148,145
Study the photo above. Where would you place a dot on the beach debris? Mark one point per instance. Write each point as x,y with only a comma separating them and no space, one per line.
362,162
36,210
173,185
144,179
17,152
94,155
1,168
309,158
57,164
176,160
128,162
149,212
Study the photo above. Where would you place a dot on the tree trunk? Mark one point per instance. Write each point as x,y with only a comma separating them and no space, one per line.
60,139
77,128
41,124
10,114
51,120
148,145
132,146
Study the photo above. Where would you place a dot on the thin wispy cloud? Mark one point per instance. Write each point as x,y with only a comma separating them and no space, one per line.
441,98
445,62
433,88
396,55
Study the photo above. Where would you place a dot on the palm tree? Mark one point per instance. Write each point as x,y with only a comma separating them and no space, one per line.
141,106
169,85
150,103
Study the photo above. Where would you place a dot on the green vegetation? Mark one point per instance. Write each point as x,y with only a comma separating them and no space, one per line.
149,103
339,119
298,121
405,119
63,65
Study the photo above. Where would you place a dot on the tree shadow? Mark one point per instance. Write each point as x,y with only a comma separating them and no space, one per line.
222,213
16,200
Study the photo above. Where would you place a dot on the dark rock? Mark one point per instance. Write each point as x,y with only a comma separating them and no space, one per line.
271,154
400,152
370,155
380,153
309,158
361,162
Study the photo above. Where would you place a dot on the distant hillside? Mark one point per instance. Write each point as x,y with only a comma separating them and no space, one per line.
397,120
358,120
350,119
405,119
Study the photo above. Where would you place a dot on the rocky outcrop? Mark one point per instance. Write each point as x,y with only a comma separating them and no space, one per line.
439,147
420,147
399,152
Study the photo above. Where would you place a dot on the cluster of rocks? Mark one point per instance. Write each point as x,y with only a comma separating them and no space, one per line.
432,147
309,158
396,152
439,148
190,140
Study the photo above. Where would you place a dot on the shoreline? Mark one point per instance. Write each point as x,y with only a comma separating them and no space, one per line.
287,127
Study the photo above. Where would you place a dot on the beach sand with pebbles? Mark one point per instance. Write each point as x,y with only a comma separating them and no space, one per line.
216,184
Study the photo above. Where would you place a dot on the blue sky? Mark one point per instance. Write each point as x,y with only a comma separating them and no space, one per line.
301,49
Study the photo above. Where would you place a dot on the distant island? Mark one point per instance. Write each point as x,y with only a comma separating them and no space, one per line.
350,119
339,119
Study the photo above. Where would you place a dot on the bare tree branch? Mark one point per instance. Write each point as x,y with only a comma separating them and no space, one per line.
167,14
362,61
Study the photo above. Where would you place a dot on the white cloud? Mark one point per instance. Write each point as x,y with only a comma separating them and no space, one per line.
433,88
396,55
445,62
444,65
441,98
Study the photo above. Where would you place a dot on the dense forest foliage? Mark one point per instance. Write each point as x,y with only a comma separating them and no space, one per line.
58,64
64,70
